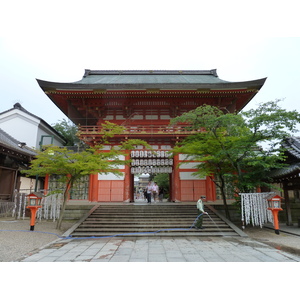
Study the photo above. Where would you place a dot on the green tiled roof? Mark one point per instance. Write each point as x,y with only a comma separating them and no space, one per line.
174,79
149,77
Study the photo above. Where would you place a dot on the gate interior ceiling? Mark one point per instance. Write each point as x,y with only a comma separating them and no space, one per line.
144,102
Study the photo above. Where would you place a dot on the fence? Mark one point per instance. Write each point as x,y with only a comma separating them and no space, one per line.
6,208
50,210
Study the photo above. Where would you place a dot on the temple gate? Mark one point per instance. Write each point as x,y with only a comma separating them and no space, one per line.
144,102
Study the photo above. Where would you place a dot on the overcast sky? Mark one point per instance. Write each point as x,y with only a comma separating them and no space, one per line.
58,40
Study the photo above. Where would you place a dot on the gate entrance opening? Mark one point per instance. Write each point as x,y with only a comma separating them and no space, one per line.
151,164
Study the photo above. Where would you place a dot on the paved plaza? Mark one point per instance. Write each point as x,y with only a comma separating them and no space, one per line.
160,249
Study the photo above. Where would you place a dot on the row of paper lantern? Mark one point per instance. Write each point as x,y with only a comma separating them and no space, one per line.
152,162
150,154
149,170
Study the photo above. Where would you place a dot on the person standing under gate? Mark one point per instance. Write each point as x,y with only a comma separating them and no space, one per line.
155,191
149,191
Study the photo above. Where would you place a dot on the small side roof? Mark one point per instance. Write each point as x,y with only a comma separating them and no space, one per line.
292,146
292,149
9,142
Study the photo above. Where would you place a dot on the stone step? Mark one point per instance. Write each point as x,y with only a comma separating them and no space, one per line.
143,221
162,220
200,233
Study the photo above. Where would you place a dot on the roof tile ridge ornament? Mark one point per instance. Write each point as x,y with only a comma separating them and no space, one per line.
20,107
150,72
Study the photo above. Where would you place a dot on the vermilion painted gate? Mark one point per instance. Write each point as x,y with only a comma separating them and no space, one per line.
144,102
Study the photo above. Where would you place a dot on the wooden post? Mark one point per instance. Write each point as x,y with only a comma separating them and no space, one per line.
288,213
176,190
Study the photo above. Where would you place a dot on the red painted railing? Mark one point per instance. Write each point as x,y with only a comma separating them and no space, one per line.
141,130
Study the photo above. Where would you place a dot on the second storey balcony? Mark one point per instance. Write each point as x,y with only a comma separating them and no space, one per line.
145,132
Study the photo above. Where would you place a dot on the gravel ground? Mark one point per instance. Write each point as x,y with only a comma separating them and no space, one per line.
16,240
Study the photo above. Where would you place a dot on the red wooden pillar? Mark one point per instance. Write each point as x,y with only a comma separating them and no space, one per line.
127,180
93,188
46,182
210,189
176,188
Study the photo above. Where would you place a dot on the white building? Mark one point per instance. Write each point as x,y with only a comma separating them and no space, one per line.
28,128
21,131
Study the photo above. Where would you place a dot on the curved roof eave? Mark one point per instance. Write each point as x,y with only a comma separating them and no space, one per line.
48,86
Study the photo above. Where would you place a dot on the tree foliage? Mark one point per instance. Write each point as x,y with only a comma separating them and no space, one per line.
229,145
71,165
68,131
163,181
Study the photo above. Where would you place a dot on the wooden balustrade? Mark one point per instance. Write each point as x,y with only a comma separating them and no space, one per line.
144,129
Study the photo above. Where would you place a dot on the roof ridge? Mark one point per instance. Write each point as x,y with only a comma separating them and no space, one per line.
150,72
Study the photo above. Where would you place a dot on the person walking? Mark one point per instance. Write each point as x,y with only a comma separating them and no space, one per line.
149,191
155,191
145,194
161,194
200,207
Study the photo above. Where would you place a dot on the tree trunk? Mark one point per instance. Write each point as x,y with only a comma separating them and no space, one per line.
222,189
227,214
66,197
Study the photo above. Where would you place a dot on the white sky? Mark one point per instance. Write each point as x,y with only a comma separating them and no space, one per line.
57,40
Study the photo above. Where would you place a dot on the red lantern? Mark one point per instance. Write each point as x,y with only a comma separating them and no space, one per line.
275,206
34,203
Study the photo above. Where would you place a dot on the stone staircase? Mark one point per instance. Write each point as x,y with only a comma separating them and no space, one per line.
159,219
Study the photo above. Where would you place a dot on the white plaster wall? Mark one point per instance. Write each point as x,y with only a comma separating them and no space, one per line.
27,129
20,126
27,183
110,176
189,165
44,131
189,176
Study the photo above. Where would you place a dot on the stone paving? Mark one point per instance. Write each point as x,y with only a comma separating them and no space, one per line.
160,249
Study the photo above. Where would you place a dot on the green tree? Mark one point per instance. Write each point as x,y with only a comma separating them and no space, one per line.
68,131
71,165
229,147
163,182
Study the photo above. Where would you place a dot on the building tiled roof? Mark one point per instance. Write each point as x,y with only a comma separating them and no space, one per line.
9,142
21,108
150,77
287,171
292,146
292,150
174,79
